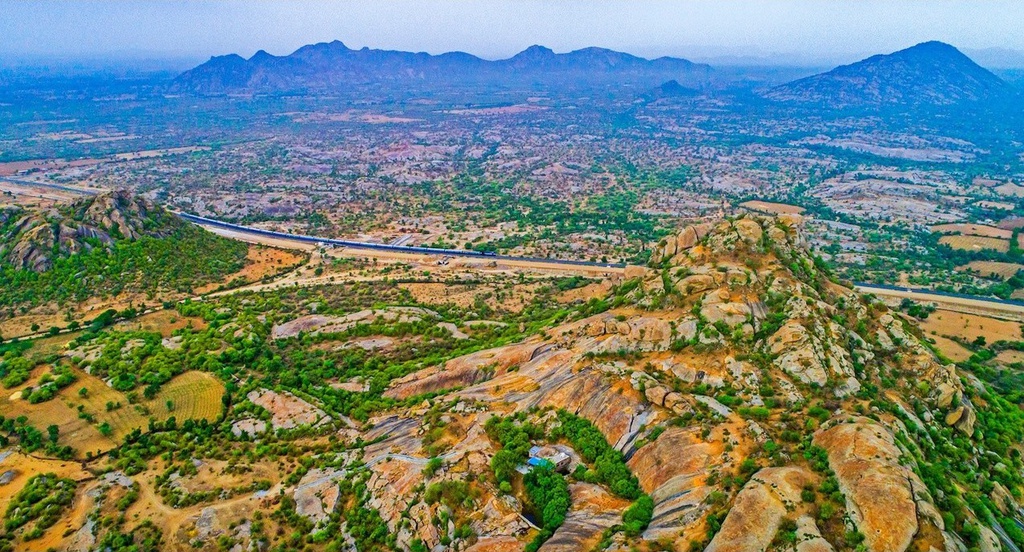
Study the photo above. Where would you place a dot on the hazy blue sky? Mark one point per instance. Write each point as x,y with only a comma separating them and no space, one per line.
826,31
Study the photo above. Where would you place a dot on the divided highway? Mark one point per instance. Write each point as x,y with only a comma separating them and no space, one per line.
386,247
953,301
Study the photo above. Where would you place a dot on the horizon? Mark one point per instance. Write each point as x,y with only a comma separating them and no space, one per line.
764,33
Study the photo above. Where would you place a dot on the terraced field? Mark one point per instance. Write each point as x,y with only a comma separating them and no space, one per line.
992,268
192,395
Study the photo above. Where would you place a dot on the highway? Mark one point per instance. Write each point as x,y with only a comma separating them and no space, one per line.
880,289
35,184
203,221
1016,307
922,293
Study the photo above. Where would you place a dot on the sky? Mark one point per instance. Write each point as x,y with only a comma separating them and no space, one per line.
797,31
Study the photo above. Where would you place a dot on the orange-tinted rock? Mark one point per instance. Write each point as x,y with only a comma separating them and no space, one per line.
759,509
879,497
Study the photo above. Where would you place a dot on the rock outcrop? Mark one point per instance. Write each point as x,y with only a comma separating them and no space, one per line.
880,492
771,495
31,240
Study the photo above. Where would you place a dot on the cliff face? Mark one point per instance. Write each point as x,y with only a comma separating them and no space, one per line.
760,404
31,240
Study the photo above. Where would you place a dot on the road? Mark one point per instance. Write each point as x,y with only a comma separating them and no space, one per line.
951,301
33,183
203,221
999,308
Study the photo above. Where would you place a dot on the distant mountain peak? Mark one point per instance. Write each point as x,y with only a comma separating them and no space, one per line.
927,74
536,51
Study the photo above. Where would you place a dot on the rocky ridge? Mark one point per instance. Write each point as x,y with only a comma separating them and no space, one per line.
760,404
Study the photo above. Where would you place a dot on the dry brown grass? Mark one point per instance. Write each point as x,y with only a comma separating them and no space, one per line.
74,431
261,261
975,243
465,295
1010,356
25,467
951,349
772,208
164,322
995,205
970,326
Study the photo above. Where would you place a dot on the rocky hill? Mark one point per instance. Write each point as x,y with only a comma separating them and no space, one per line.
759,404
928,74
730,396
327,67
31,240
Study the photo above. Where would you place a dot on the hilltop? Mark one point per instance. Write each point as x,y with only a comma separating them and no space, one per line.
33,239
928,74
326,67
115,245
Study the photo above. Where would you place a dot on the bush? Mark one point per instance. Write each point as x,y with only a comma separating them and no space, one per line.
638,515
549,501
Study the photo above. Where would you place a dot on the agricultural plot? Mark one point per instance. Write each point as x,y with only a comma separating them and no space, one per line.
80,414
74,431
975,243
992,269
973,230
970,327
193,395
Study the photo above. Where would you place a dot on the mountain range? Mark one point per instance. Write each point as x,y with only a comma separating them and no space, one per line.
327,66
926,75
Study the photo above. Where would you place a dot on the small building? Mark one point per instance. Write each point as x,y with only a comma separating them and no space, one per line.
550,454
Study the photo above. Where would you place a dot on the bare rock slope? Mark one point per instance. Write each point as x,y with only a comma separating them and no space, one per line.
760,404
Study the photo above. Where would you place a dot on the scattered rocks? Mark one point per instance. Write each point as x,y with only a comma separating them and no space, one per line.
316,496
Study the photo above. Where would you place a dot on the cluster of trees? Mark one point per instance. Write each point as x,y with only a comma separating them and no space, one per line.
43,500
549,501
610,467
188,258
59,378
31,439
514,434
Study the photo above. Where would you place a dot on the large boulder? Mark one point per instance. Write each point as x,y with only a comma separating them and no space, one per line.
879,495
759,509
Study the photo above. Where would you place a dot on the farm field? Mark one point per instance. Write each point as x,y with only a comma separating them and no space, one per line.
976,243
973,230
193,395
992,268
970,327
